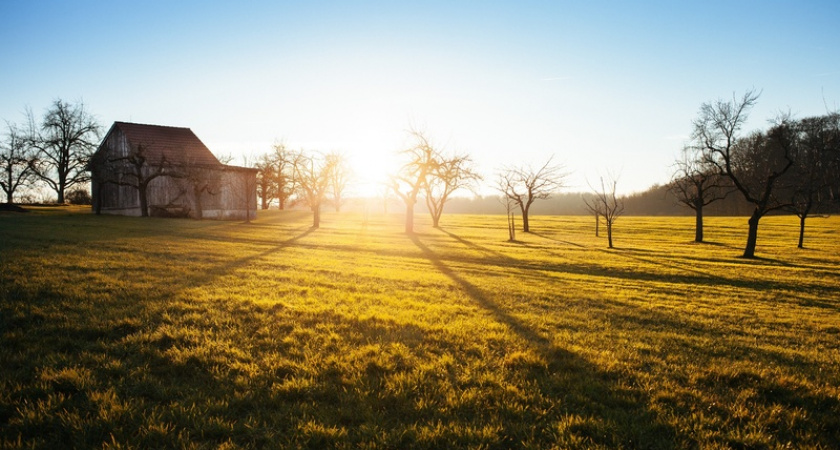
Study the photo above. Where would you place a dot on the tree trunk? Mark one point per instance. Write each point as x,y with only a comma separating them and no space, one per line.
752,237
144,202
199,207
316,216
409,217
62,184
436,220
698,223
609,234
802,230
511,219
525,226
597,225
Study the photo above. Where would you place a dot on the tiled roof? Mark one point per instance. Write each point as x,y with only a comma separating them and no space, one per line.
176,144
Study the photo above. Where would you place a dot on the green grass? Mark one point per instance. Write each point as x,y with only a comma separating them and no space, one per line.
124,332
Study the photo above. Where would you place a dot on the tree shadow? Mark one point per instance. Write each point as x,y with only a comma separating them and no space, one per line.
544,236
474,246
692,276
577,386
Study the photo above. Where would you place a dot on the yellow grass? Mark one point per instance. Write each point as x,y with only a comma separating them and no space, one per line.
121,332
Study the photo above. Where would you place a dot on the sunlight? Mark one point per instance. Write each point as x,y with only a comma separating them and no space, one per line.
371,171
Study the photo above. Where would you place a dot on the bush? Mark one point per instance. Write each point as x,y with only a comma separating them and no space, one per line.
78,197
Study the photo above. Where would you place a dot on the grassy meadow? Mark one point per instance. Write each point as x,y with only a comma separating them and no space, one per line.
122,332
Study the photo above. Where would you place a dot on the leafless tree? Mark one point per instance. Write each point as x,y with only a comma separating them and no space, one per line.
16,162
267,185
312,175
448,175
525,185
605,203
136,170
812,176
697,184
340,178
285,161
384,192
201,181
413,175
66,138
510,214
754,164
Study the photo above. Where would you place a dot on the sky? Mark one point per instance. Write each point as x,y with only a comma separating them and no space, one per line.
604,88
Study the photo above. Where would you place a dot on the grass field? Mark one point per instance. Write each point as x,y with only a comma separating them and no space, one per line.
152,333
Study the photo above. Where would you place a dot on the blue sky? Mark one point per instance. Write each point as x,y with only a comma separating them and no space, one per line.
603,86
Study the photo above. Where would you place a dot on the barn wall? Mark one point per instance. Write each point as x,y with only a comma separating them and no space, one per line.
237,194
115,198
230,191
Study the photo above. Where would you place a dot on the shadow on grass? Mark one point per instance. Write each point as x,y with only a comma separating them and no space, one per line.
577,388
545,236
692,276
707,278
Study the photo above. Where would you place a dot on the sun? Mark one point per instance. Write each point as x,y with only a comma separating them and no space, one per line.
371,171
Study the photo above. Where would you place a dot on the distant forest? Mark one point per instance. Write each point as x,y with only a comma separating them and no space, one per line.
656,201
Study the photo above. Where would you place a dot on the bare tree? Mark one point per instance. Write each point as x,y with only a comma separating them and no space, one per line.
447,176
605,203
511,217
340,178
810,190
201,181
266,166
16,162
134,169
312,175
285,182
384,192
754,164
525,185
697,184
67,137
413,175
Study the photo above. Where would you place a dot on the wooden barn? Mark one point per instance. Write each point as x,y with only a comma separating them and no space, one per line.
154,170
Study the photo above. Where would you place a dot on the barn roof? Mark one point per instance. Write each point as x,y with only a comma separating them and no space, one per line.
173,143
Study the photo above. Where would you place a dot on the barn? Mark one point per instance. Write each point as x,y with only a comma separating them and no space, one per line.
154,170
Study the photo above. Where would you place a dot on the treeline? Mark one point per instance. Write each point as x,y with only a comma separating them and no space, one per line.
658,200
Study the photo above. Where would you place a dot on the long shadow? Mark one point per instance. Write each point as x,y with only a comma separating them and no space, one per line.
692,277
715,279
557,240
581,387
234,265
476,294
474,246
